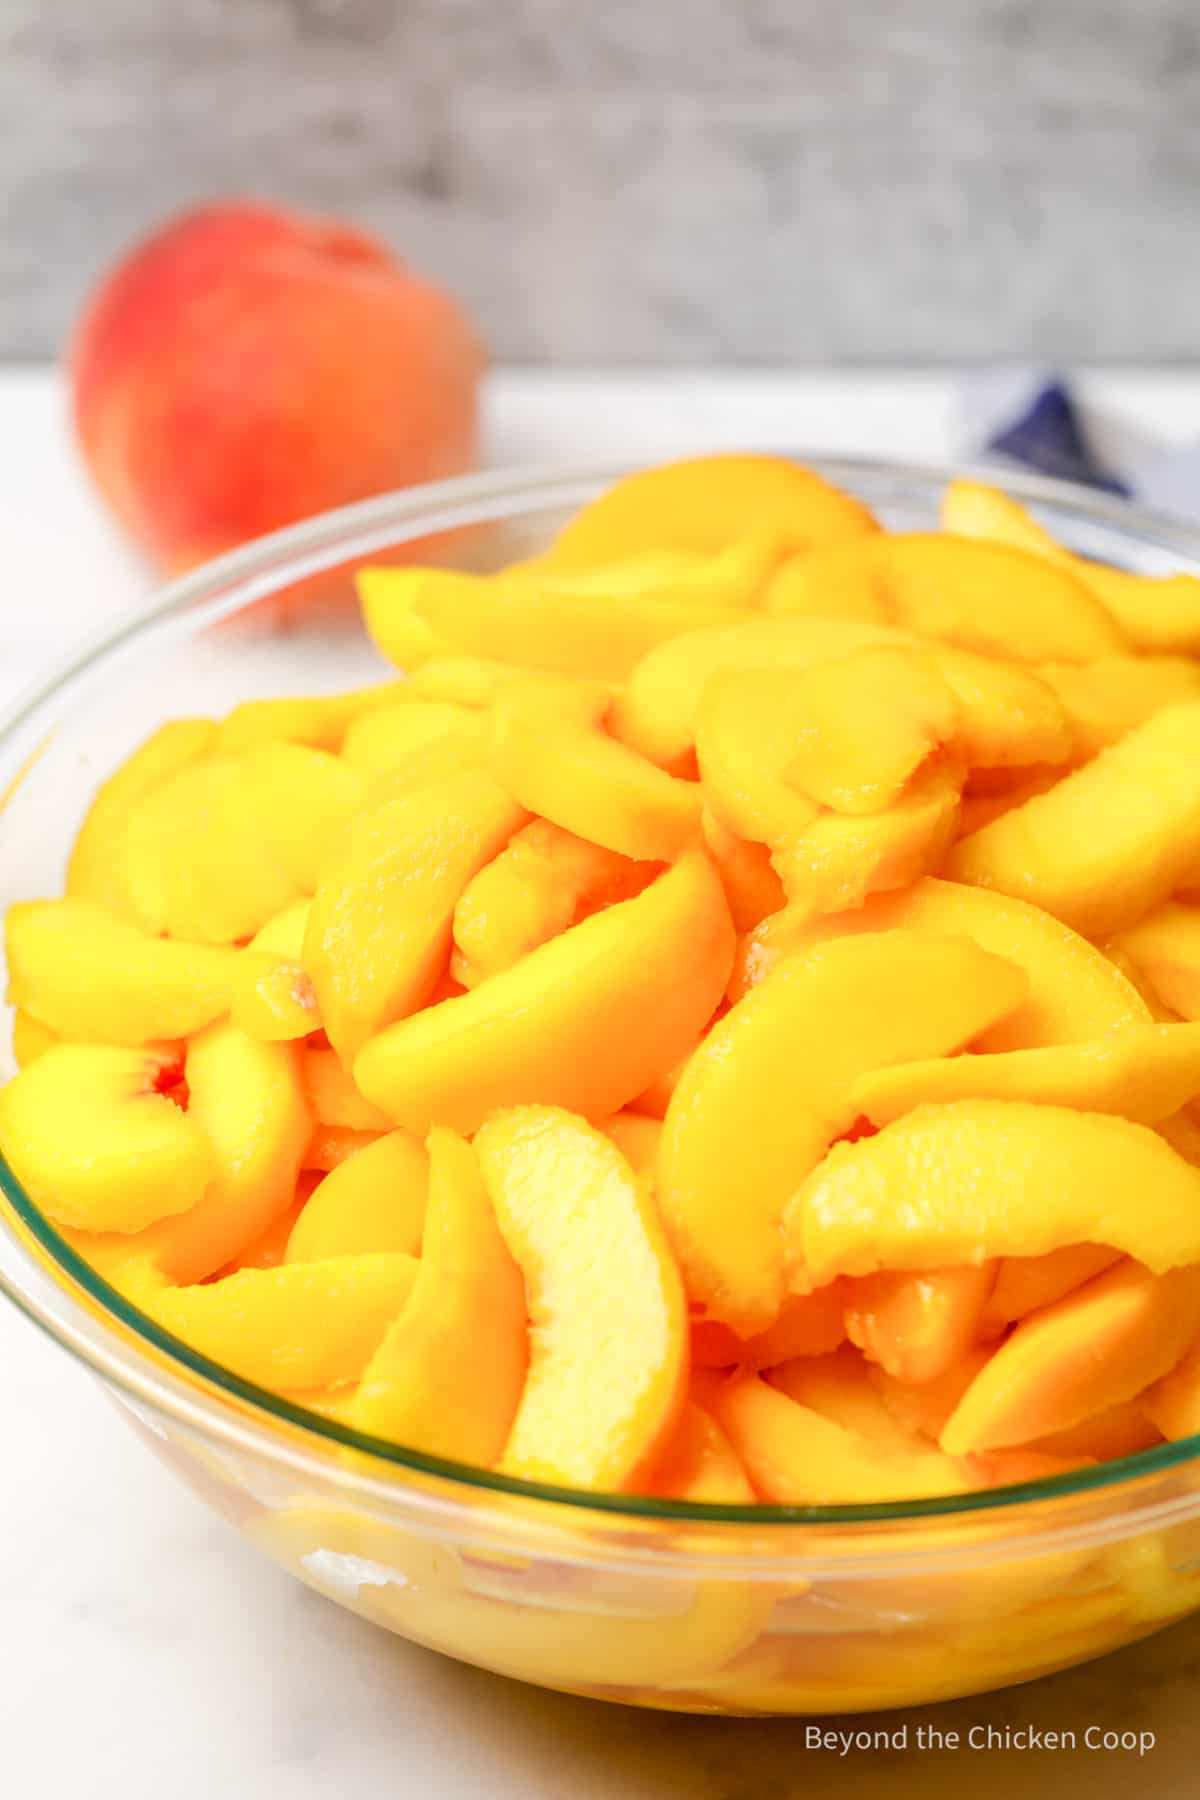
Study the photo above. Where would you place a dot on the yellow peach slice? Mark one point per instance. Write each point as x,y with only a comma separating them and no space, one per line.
752,887
373,1202
839,1387
270,1249
608,1322
1026,1284
1155,612
388,600
449,1373
586,1021
378,936
924,1407
777,1073
1109,841
637,1139
1107,699
1172,1403
808,1325
699,1465
1075,992
329,1146
530,892
272,996
1120,1430
706,503
979,808
318,720
573,774
735,576
979,1178
426,738
332,1096
296,1327
1164,948
1088,1352
470,681
1144,1073
95,871
248,1100
92,976
795,1456
30,1038
917,1326
92,1136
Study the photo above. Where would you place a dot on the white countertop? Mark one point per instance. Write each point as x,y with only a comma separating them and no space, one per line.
145,1651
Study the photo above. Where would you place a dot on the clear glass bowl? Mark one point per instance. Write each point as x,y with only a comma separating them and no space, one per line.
716,1609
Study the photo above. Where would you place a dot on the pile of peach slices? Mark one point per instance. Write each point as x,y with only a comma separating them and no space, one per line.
717,1029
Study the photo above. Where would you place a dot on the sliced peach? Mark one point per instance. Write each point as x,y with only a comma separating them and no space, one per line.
329,1146
1109,841
1164,948
1145,1073
378,936
734,576
92,976
917,1326
1120,1430
1075,992
272,995
1155,612
572,773
332,1096
925,1406
608,1323
585,1021
424,737
1008,717
994,599
93,1138
95,871
449,1373
270,1249
654,1099
700,1465
30,1038
752,887
1107,699
795,1456
296,1327
637,1139
373,1202
979,808
1026,1284
706,503
839,1387
808,1325
388,599
318,720
470,681
534,889
980,1178
1172,1403
776,1073
1088,1352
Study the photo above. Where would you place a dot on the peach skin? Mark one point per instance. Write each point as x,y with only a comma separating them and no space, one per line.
450,1371
978,1178
586,1021
777,1072
604,1296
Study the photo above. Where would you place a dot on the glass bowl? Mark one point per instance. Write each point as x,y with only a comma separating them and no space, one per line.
699,1608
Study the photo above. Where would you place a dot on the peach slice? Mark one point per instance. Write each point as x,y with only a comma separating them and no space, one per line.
272,996
378,936
91,976
332,1096
388,600
752,887
1164,948
839,1387
1075,992
318,720
1111,840
470,681
808,1325
777,1072
449,1373
1088,1352
425,738
700,1465
637,1139
1120,1430
924,1407
533,890
95,871
30,1038
733,577
705,503
917,1326
1172,1403
979,1178
329,1146
795,1456
269,1250
569,771
1145,1073
586,1021
373,1202
608,1322
1155,612
296,1327
1107,699
1026,1284
91,1135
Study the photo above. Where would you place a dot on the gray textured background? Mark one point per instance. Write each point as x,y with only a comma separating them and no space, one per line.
647,180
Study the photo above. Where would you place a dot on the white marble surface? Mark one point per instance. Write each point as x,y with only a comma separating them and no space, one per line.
145,1651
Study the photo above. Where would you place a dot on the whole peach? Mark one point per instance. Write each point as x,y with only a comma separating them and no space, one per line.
244,367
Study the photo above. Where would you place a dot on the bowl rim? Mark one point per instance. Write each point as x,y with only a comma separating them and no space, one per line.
81,1313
